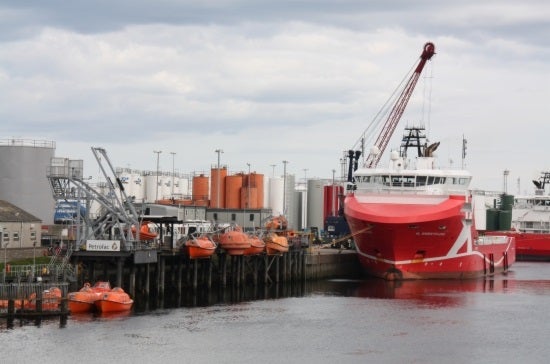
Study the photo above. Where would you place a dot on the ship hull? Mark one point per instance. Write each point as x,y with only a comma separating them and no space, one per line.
427,238
529,246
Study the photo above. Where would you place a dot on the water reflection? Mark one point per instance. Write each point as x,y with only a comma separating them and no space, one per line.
433,292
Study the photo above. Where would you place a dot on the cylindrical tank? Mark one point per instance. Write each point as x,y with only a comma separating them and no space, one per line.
200,188
315,203
249,198
331,200
276,193
504,220
152,190
125,177
138,186
233,186
184,187
492,219
507,202
176,189
217,187
256,181
23,170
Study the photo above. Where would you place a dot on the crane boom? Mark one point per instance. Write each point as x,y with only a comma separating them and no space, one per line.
399,107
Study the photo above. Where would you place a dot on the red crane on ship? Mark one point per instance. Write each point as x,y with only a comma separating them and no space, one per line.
399,107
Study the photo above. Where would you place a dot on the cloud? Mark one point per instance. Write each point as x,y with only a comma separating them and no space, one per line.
268,81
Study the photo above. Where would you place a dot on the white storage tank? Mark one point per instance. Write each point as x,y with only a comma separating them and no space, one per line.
23,176
276,193
138,186
315,203
152,188
184,187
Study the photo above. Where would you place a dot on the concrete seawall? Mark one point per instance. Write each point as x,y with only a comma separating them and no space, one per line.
331,263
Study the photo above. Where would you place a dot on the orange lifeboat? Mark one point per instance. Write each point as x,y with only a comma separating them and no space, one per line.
257,246
84,300
116,300
200,247
51,298
144,232
17,304
234,242
277,223
275,244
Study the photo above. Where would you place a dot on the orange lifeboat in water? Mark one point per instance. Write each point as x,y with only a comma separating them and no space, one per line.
200,247
234,242
84,300
116,300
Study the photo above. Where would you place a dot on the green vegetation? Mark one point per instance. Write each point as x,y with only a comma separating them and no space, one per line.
27,261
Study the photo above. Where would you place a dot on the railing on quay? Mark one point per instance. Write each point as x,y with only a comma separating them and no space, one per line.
16,291
30,273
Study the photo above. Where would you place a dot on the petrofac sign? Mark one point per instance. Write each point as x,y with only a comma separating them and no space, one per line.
103,245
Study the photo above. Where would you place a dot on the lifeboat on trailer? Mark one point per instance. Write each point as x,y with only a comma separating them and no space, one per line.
116,300
234,242
275,244
200,247
257,245
84,299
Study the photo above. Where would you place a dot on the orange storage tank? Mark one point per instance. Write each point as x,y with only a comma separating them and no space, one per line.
233,186
259,190
217,185
200,187
256,181
249,198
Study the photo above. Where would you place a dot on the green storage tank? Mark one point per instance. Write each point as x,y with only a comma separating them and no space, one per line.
492,219
507,202
504,220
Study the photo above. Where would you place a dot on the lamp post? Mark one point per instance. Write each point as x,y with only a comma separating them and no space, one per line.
247,204
218,182
284,187
173,172
305,209
34,258
157,188
273,170
5,260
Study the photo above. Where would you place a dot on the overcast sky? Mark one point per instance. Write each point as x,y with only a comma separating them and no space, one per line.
268,81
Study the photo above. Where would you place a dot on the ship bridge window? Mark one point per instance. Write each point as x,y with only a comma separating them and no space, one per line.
405,181
381,180
436,180
458,181
421,180
364,179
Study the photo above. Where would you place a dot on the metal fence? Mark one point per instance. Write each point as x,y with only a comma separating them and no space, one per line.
33,272
17,291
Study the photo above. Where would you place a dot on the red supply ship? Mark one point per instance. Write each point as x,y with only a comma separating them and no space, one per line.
412,220
530,222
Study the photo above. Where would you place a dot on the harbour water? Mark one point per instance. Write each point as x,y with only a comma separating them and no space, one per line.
504,319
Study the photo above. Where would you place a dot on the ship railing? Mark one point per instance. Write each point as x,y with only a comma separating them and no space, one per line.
410,191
